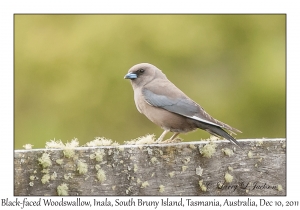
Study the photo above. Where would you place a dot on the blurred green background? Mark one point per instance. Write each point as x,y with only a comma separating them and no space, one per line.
69,73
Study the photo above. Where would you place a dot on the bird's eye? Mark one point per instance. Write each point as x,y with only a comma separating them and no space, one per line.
141,71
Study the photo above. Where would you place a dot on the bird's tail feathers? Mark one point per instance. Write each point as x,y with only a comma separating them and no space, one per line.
206,116
217,131
228,127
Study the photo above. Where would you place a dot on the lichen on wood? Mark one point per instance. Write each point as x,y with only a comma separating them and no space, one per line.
154,169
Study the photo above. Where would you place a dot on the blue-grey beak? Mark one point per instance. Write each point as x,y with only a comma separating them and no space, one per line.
130,76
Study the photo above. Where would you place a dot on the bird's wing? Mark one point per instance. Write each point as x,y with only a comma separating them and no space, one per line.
170,98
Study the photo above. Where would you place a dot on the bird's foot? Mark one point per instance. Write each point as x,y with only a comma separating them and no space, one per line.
176,140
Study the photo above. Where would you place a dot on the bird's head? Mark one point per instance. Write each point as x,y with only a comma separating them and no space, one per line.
143,73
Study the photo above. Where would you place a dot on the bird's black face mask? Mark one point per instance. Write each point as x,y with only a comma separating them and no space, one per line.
135,74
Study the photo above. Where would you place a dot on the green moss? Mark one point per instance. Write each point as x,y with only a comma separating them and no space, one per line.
45,171
98,155
28,146
183,168
53,176
59,161
192,146
101,175
45,178
208,150
62,189
202,186
53,144
250,154
145,184
135,168
160,152
97,167
259,143
154,160
69,148
161,188
68,176
171,174
147,139
121,148
82,167
101,141
45,160
69,153
228,177
227,151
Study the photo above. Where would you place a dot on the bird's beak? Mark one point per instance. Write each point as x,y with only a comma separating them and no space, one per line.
130,76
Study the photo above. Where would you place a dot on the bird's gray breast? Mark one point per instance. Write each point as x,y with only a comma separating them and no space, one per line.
138,99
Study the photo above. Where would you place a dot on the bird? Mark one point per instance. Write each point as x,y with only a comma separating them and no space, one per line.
168,107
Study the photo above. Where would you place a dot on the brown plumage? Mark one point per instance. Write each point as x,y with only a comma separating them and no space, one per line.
168,107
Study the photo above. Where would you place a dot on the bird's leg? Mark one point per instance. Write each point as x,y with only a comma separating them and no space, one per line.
174,136
162,136
172,139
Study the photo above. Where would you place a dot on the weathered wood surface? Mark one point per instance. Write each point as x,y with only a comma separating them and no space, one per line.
169,169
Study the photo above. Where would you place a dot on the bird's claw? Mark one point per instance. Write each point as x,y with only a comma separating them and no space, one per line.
176,140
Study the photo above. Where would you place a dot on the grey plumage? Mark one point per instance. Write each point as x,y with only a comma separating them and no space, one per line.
168,107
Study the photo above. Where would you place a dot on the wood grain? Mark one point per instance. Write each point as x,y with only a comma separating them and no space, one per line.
156,169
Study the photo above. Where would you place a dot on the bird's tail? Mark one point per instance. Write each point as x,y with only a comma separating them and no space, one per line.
217,131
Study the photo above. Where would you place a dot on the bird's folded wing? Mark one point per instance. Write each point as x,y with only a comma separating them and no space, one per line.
180,104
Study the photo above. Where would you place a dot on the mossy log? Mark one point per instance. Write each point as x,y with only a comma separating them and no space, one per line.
154,169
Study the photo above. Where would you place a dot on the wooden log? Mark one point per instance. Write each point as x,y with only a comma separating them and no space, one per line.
155,169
